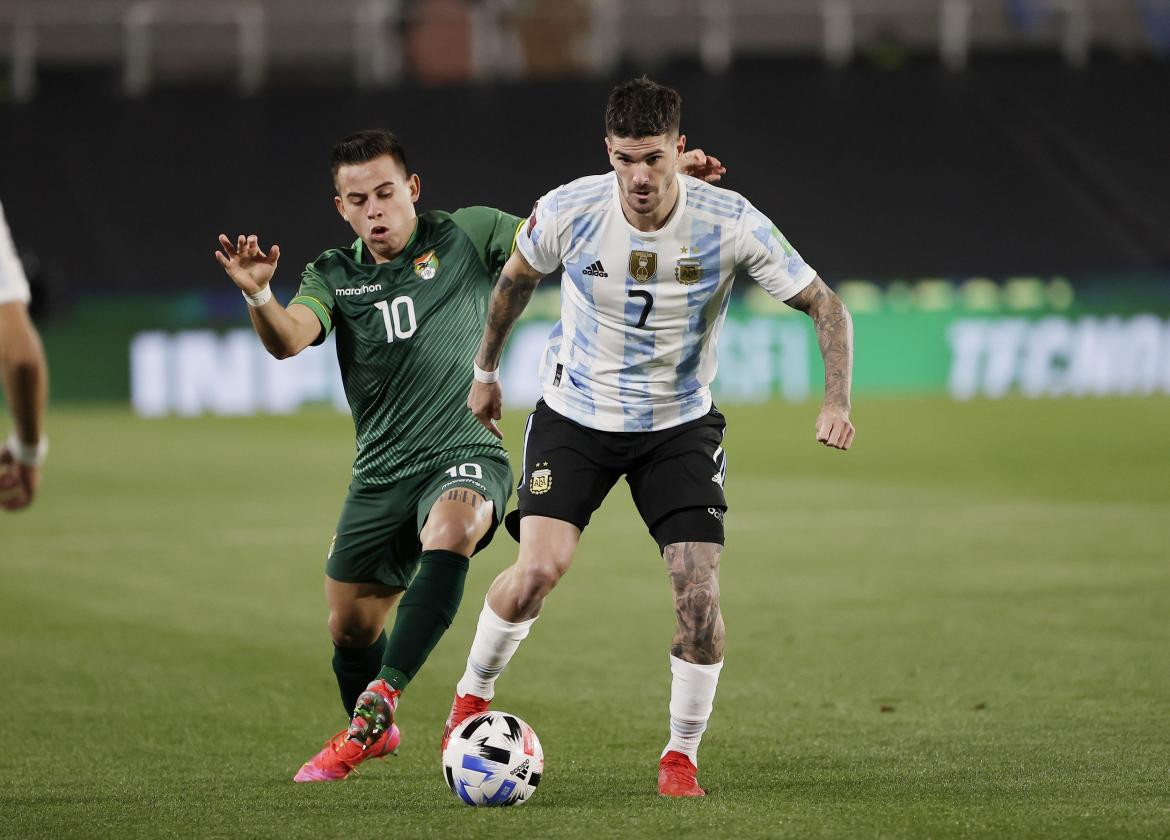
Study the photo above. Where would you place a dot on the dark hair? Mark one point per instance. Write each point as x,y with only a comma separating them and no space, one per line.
366,146
642,108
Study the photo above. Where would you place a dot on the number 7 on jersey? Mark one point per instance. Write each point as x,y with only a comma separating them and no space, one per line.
647,302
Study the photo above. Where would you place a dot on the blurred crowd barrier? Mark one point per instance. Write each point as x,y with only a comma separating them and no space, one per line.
374,43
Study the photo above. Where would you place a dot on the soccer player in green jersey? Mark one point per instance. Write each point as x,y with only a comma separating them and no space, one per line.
407,301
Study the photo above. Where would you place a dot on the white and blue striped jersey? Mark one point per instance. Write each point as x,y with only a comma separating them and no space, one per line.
641,312
13,284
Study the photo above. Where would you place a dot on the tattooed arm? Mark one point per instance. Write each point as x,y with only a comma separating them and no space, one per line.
509,297
834,330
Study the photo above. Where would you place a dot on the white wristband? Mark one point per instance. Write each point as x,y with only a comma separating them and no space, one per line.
28,455
485,376
260,298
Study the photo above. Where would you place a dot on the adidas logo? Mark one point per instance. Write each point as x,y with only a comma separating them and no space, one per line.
595,270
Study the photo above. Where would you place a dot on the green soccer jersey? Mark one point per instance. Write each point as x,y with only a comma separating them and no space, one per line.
407,332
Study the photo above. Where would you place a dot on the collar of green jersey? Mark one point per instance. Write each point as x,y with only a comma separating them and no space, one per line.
362,255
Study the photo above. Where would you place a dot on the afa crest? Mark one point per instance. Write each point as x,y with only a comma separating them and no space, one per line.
427,266
688,270
643,265
541,481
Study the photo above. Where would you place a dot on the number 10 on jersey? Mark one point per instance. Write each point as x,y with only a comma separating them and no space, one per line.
399,317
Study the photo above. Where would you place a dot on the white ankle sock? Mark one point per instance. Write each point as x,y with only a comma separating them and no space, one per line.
692,693
495,642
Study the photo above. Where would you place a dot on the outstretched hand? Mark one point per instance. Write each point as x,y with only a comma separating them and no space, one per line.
699,164
246,264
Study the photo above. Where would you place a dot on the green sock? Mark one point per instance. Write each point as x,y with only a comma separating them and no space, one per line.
356,668
424,614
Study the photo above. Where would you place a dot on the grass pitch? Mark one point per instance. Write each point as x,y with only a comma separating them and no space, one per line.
959,629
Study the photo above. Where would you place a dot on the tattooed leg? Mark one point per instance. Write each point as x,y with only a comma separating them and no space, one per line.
696,658
694,576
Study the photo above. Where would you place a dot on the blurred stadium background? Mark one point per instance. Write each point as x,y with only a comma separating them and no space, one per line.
951,631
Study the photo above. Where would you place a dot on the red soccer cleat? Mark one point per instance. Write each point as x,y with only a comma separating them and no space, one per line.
371,734
462,707
676,776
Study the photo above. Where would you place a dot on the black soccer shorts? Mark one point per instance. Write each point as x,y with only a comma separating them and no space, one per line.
569,469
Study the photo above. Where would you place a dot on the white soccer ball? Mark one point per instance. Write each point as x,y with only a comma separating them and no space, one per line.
493,758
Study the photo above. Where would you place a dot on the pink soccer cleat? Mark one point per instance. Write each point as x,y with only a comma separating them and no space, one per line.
676,776
371,734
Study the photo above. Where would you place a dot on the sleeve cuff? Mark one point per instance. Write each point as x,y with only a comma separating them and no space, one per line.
516,237
318,309
797,286
524,246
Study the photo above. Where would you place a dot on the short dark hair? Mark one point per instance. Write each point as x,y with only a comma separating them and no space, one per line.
366,146
642,108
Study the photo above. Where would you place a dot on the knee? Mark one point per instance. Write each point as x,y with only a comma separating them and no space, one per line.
446,534
538,577
694,576
698,599
348,631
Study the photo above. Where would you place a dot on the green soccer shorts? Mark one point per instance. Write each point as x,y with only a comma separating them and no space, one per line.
377,539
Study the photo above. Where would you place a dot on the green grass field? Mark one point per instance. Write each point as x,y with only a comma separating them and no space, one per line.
994,575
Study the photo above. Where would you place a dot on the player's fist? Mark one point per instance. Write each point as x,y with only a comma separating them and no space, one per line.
485,399
834,428
246,264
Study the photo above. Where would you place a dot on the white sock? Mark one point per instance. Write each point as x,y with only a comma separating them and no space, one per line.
692,693
495,642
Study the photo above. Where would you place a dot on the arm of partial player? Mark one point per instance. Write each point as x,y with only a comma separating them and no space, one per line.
284,332
25,376
509,297
834,328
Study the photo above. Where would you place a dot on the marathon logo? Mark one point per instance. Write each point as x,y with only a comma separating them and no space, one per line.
463,482
360,290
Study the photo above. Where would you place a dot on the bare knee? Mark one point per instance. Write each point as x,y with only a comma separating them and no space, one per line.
536,578
519,592
348,630
460,537
456,522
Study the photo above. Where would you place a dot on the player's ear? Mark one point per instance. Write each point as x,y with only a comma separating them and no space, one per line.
339,205
681,145
415,186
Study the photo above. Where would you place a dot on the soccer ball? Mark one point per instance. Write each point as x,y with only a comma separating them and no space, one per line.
493,758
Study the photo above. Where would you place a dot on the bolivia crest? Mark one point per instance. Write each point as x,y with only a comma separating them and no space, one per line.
427,266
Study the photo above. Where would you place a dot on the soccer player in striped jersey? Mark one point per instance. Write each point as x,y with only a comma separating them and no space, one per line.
407,301
648,257
24,378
